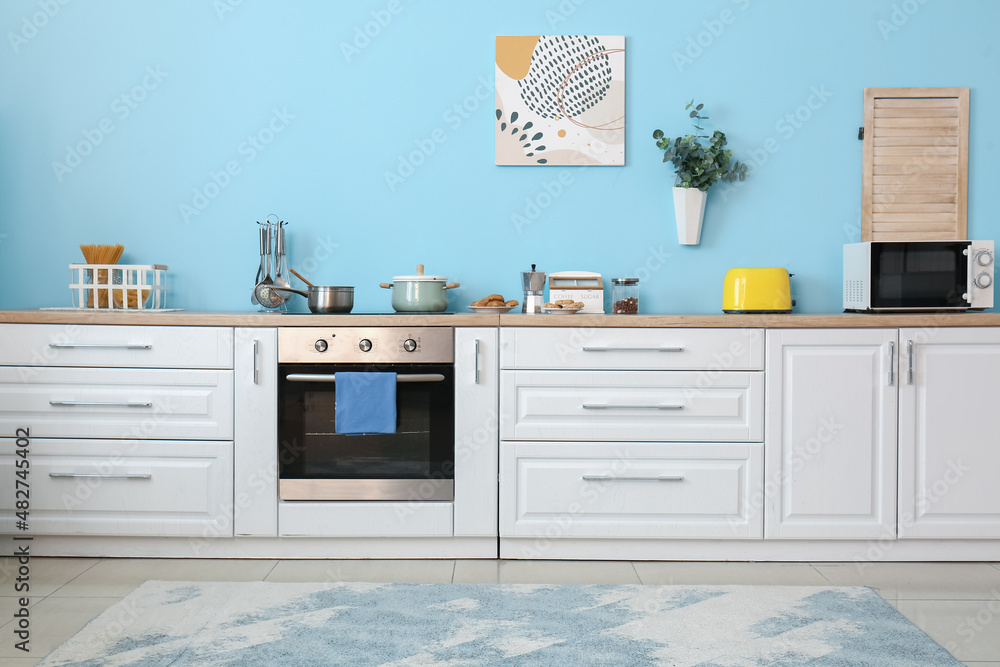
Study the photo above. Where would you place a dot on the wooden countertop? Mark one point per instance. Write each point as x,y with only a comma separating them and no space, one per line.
203,318
272,319
790,321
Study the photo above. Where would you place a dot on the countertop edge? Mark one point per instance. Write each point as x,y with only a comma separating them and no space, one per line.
578,320
242,319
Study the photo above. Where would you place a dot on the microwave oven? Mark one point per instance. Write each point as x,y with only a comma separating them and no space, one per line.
918,275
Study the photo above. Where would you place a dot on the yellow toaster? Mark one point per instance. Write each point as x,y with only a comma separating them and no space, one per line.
757,291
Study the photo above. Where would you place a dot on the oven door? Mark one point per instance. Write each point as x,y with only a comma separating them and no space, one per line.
416,463
920,275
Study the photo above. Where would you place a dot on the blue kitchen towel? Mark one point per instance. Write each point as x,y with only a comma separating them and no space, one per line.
366,403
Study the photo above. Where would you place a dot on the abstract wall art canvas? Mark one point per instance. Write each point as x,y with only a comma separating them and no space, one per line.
560,100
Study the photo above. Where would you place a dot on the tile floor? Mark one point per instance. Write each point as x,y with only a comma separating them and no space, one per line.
957,604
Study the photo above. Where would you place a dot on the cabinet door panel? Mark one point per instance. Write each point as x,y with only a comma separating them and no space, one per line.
831,433
255,455
476,431
949,456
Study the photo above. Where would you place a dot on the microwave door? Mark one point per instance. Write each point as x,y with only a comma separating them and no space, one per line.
919,276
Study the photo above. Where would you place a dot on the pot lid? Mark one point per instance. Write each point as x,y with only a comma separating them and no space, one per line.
425,279
420,277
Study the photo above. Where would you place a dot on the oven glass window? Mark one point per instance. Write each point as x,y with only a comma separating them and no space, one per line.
919,275
422,446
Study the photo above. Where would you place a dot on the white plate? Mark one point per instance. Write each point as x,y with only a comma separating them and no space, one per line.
562,311
492,309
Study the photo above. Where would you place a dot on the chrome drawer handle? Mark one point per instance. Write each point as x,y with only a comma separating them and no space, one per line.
110,404
256,360
909,362
332,377
103,346
611,406
892,358
631,349
476,379
130,475
657,478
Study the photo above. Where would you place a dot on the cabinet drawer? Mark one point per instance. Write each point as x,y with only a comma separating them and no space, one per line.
117,403
109,487
116,346
629,490
627,349
631,405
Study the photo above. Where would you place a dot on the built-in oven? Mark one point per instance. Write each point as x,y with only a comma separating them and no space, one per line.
408,370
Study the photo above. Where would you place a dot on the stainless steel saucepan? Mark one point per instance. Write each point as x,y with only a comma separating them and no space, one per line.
325,299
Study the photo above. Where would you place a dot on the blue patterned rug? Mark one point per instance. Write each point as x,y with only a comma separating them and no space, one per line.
260,623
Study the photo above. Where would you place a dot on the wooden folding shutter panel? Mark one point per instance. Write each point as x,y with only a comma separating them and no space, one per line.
916,164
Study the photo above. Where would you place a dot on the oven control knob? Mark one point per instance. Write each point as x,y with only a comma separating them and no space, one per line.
409,345
364,345
320,345
984,258
983,280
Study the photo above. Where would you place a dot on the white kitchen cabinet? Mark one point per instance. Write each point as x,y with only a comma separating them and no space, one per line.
122,487
255,459
630,490
476,431
830,460
131,427
949,450
634,434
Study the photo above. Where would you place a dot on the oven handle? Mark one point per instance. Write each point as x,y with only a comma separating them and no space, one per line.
332,377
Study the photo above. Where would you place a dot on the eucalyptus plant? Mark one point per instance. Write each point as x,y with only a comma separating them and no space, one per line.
699,166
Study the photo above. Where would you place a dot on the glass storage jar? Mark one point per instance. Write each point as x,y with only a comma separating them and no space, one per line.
624,296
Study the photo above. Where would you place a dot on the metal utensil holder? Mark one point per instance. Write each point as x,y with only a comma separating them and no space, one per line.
272,257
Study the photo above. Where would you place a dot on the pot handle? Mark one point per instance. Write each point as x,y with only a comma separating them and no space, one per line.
290,289
452,285
385,285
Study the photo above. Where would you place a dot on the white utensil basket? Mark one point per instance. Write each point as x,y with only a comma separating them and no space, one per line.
119,286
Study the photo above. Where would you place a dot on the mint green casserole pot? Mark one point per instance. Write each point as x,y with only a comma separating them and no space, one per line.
419,293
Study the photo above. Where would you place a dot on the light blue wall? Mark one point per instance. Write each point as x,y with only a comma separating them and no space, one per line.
346,121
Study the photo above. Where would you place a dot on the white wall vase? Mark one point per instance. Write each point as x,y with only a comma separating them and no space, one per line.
689,210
